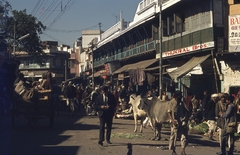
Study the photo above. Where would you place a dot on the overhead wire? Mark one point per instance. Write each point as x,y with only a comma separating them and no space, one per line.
67,6
55,20
71,31
49,36
46,11
35,6
46,14
38,8
43,8
43,19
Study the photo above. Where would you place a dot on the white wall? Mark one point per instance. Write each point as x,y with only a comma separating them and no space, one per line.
231,76
88,36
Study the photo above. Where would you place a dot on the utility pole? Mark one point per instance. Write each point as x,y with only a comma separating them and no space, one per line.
14,38
99,24
160,48
92,45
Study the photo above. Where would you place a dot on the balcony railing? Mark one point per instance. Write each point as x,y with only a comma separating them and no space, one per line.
33,66
128,53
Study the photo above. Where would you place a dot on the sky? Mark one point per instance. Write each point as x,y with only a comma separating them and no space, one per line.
65,19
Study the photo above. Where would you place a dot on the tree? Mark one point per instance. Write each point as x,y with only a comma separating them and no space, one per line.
4,10
25,24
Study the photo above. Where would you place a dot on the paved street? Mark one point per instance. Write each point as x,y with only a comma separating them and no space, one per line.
78,135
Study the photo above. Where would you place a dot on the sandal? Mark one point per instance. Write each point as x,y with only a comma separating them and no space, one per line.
183,153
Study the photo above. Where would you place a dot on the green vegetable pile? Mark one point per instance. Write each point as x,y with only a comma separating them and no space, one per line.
237,134
203,127
126,135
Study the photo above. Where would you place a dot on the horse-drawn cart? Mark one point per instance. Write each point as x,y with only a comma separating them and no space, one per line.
33,110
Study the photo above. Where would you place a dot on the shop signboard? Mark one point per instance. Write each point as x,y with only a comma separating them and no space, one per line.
234,33
186,50
120,76
110,67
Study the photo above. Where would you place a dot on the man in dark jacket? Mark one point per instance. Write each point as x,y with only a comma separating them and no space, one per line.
205,100
220,108
210,115
229,117
105,104
71,94
178,115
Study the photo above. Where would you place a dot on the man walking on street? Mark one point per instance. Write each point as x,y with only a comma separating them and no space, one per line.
105,104
71,95
229,118
221,107
210,115
178,115
93,97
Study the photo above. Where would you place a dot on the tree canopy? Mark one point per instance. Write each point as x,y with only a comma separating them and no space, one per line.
18,24
25,24
4,9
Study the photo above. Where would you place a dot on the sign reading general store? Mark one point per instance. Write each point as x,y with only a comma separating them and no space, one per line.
188,49
234,33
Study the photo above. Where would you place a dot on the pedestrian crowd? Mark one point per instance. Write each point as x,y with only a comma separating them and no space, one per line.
85,97
218,110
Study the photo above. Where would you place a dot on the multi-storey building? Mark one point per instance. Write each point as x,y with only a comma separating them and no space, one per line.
54,59
74,59
230,48
179,34
89,37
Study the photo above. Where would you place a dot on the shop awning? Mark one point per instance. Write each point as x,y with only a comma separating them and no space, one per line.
187,67
96,74
157,67
140,65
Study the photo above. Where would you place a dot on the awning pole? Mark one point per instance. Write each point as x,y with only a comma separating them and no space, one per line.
214,70
160,49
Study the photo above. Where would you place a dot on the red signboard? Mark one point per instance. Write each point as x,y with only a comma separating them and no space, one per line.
107,68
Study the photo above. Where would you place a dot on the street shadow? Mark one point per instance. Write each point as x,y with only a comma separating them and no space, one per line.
121,127
60,150
129,148
197,139
80,126
38,137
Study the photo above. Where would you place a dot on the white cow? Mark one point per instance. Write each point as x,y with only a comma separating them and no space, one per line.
134,100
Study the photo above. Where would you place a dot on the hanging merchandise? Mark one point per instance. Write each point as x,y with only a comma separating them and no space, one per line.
137,76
